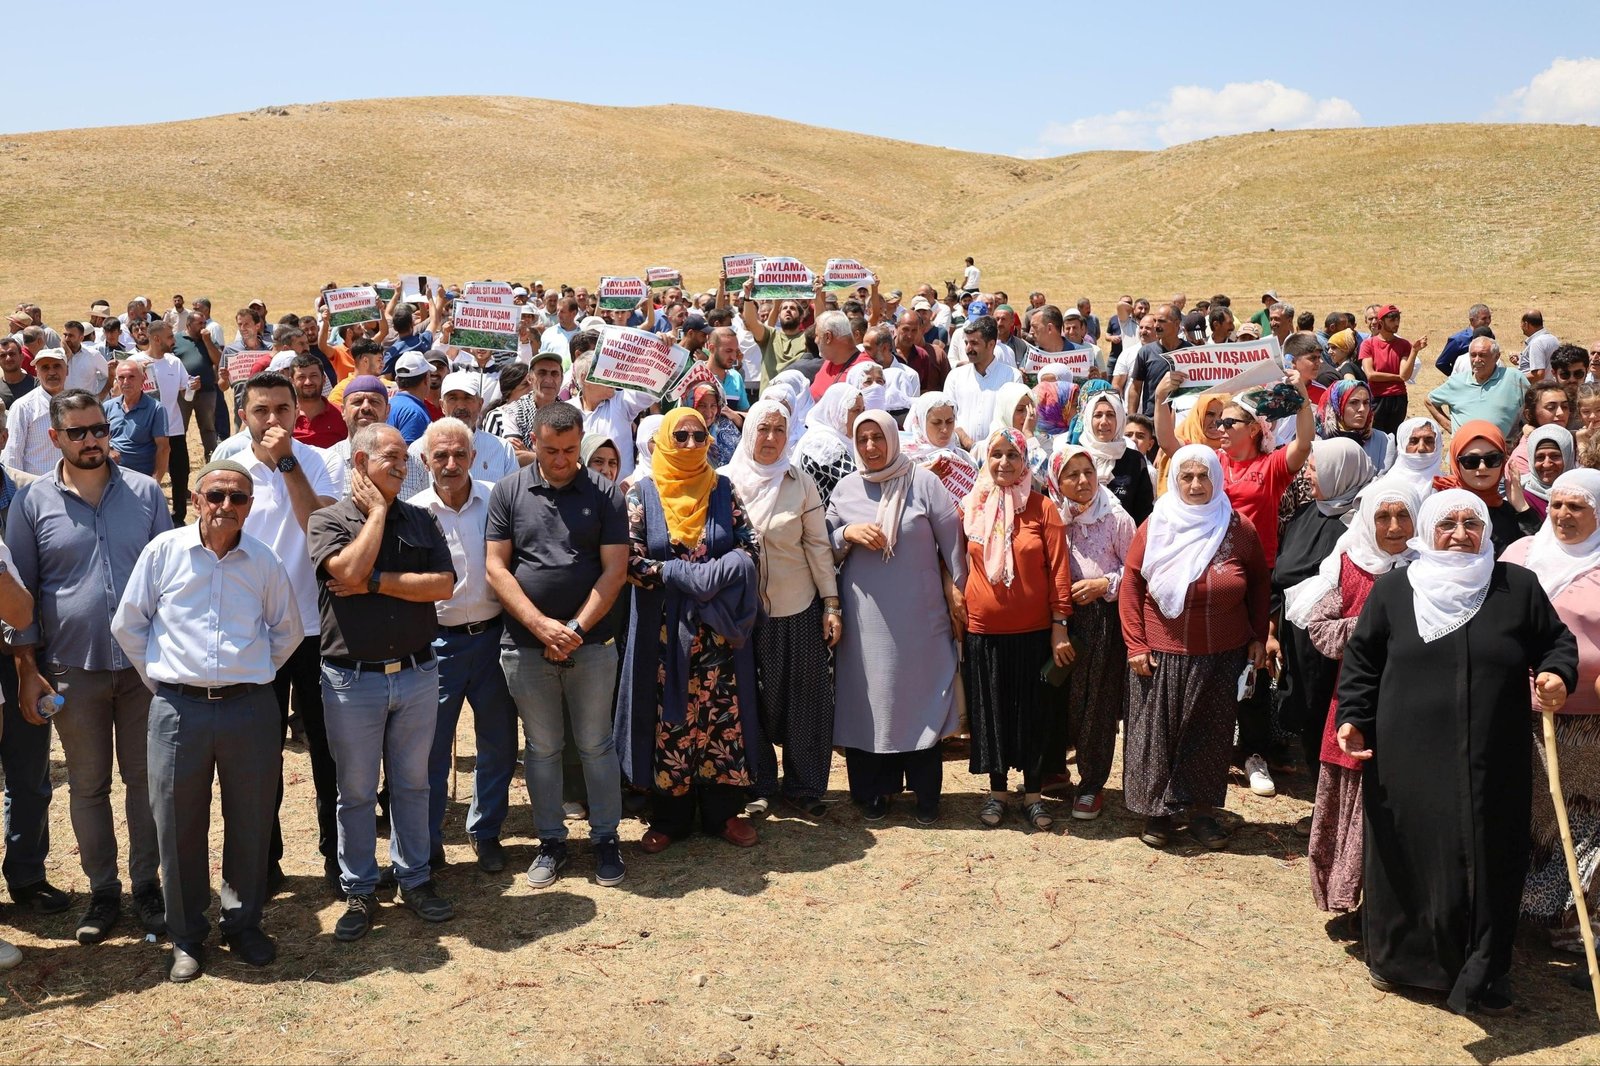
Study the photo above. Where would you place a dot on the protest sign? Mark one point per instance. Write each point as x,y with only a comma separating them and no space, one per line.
1229,367
415,287
738,268
953,474
663,277
239,364
352,307
1077,362
485,327
488,292
633,359
620,294
781,277
385,291
845,275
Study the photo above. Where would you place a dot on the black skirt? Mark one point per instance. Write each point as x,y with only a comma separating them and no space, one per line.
1008,706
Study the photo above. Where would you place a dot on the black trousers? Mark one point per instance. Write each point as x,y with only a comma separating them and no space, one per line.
301,676
178,471
674,815
872,774
1388,412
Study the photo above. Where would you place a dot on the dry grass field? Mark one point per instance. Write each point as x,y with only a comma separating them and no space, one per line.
833,941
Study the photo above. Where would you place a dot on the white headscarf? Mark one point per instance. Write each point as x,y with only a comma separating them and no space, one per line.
1562,438
1006,399
827,435
1447,587
1418,470
758,483
1360,543
1105,453
916,421
1558,565
1181,538
644,446
800,402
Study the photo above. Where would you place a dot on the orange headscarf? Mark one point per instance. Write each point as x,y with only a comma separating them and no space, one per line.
684,476
1192,430
1477,429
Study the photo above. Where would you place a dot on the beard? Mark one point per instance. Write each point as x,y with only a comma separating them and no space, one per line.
86,462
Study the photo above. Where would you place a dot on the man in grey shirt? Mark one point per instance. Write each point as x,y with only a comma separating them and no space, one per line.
75,534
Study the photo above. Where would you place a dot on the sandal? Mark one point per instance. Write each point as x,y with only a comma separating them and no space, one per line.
1035,815
993,812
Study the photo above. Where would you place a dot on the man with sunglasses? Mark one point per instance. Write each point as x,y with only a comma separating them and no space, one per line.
75,535
208,619
1491,392
1569,365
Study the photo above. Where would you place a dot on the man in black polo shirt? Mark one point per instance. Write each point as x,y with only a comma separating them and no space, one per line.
382,565
557,556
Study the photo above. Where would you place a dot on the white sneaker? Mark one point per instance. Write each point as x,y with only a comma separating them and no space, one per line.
574,812
1261,783
9,955
759,805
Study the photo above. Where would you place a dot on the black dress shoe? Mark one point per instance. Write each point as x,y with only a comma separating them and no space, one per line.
251,947
491,855
43,897
875,809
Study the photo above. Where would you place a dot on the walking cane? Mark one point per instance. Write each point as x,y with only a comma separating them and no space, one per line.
1580,902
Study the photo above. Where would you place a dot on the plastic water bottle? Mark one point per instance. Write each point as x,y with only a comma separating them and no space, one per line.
189,391
48,705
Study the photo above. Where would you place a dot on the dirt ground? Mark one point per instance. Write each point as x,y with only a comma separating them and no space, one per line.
832,941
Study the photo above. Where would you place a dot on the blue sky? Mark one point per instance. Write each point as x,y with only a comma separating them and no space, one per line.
1010,77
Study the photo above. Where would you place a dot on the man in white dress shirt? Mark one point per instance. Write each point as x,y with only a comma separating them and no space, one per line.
468,646
973,385
208,618
493,456
28,444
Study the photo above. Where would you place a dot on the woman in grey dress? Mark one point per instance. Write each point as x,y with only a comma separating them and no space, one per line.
897,533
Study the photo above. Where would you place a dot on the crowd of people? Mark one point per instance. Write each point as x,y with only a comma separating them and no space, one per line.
891,527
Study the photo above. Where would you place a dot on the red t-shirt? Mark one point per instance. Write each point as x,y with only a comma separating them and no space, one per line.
324,431
1254,487
1386,358
831,374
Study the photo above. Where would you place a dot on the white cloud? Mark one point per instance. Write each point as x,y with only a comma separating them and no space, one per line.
1568,90
1192,112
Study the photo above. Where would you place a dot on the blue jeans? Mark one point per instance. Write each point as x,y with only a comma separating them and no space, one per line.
469,669
583,691
377,719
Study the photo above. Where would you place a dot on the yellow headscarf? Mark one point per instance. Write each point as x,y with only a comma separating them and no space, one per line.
1192,430
1343,341
684,477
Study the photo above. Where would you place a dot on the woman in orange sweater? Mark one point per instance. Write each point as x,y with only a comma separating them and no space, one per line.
1019,597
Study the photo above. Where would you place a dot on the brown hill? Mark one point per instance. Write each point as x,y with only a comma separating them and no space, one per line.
274,204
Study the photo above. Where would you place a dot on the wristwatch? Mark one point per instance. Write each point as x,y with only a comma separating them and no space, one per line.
287,464
576,626
372,581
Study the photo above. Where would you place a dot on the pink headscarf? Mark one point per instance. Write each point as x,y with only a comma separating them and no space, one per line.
989,513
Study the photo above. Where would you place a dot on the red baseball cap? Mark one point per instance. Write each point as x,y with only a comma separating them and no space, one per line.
1388,309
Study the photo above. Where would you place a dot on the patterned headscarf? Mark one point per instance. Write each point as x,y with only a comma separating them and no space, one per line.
1085,394
1054,400
989,513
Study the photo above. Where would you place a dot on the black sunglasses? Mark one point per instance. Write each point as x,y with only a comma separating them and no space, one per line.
100,431
1492,460
684,436
1229,423
216,496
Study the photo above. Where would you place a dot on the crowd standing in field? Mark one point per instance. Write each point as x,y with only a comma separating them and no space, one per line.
855,521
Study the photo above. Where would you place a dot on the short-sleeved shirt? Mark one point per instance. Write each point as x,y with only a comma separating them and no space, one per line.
371,626
1386,357
416,342
409,416
195,360
324,431
11,392
1150,365
556,535
1254,486
1498,400
778,351
134,433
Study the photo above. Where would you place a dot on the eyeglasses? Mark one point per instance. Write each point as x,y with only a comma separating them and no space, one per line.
1469,525
1229,423
1491,460
684,436
100,431
215,497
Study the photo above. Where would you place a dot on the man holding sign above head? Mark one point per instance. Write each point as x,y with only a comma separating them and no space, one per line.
781,336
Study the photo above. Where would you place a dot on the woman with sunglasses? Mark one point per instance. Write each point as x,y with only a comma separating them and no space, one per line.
1565,556
1478,462
1433,702
896,533
686,699
802,619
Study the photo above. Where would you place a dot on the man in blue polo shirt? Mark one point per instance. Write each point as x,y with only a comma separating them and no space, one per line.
138,423
408,409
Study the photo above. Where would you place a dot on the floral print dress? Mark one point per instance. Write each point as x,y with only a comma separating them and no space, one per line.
708,746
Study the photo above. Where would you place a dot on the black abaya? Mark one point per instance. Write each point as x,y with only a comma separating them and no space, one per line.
1130,483
1306,685
1448,789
